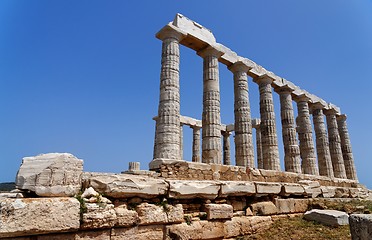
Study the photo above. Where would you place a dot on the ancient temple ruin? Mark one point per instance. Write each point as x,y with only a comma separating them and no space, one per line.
333,156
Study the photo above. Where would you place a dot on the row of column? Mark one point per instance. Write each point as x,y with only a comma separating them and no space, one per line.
168,136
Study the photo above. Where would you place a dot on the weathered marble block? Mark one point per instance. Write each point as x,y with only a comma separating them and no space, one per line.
237,188
218,211
51,175
31,216
264,208
268,187
187,189
327,217
159,214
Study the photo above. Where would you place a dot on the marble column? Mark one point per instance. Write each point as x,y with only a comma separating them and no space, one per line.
244,155
181,141
292,159
195,144
335,144
226,148
305,135
211,119
322,143
256,125
167,135
269,139
347,152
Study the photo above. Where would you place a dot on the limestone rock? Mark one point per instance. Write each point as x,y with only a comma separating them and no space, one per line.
341,192
237,188
360,226
157,214
268,187
89,192
51,174
294,189
125,185
328,191
84,235
327,217
197,230
246,225
98,215
154,232
126,217
218,211
264,208
30,216
312,188
291,205
187,189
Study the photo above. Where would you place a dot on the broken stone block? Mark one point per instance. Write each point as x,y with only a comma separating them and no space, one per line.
218,211
31,216
327,217
360,226
237,188
187,189
264,208
126,185
51,175
125,217
291,205
159,214
328,191
294,189
312,188
98,215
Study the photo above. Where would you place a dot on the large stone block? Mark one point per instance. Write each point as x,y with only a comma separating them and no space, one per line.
31,216
154,232
328,191
126,185
360,226
246,225
218,211
125,217
51,174
291,205
98,215
293,189
187,189
196,230
312,188
237,188
327,217
264,208
157,214
264,188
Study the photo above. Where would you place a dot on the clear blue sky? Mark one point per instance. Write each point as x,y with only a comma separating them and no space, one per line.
83,76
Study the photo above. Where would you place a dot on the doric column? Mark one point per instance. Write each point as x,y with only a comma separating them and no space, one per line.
226,148
335,143
292,158
195,144
256,125
269,139
244,155
181,141
305,135
211,119
168,121
346,147
322,143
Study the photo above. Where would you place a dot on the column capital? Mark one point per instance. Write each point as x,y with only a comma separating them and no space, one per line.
239,66
284,89
266,78
341,117
317,106
170,31
301,96
330,111
210,51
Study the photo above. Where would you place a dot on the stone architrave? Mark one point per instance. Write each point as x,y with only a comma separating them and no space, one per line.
335,144
211,119
244,155
322,143
195,144
269,139
346,147
226,148
167,136
292,160
256,125
305,135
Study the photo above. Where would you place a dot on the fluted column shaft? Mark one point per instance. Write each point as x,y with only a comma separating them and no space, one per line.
256,126
195,144
269,139
335,145
322,144
226,148
346,148
244,153
167,134
292,158
305,135
211,119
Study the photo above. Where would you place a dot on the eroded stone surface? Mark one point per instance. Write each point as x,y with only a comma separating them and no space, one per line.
237,188
268,188
327,217
264,208
154,232
98,215
360,226
192,189
51,174
159,214
218,211
291,205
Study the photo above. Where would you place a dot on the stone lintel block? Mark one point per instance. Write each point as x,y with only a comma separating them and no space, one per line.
192,122
360,226
292,189
237,188
188,189
268,187
152,232
291,205
127,185
327,217
264,208
218,211
32,216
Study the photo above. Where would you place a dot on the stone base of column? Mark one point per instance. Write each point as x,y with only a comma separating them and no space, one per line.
156,163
